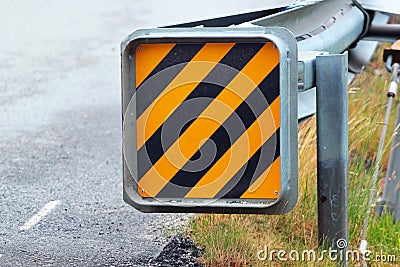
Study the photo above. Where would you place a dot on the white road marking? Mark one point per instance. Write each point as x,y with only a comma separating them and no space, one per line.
38,216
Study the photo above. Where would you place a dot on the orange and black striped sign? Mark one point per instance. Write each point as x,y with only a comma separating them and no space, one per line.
208,120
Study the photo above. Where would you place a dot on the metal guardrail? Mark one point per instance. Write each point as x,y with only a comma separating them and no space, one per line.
342,24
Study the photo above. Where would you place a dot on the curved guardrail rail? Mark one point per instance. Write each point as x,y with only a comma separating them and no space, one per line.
341,28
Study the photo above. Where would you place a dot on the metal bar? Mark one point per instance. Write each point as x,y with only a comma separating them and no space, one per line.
332,148
341,25
360,55
383,32
381,201
374,189
392,90
305,19
391,191
339,36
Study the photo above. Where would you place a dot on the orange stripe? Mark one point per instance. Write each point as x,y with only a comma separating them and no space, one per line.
176,92
237,155
148,56
266,185
210,120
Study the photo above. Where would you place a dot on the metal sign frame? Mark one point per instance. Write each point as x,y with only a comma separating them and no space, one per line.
287,46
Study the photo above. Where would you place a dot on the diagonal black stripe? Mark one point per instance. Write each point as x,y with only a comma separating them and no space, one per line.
236,58
257,164
179,56
270,85
225,135
221,138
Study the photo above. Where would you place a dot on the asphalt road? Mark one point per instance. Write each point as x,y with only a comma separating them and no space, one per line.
60,131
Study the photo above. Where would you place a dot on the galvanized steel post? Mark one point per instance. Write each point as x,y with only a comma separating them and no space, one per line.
332,150
391,193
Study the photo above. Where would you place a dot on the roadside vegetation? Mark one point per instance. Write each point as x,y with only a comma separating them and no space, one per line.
234,240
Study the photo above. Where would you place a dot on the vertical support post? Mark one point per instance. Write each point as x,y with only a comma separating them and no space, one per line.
332,150
391,192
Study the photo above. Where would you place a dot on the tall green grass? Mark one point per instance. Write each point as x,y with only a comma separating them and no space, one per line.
234,240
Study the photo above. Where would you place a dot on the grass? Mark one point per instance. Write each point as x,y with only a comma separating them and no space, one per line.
234,240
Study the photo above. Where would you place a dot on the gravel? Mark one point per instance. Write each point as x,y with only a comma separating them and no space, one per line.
179,251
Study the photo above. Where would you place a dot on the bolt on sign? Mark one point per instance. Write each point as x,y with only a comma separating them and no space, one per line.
210,120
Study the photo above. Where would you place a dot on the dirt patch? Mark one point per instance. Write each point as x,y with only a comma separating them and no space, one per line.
179,251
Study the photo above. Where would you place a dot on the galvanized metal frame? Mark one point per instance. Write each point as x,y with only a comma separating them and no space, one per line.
332,148
287,46
392,195
390,199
